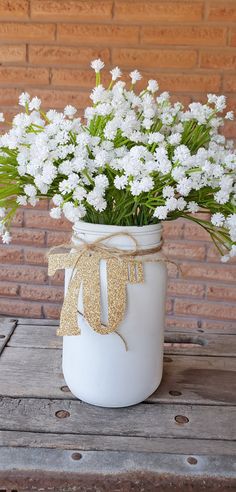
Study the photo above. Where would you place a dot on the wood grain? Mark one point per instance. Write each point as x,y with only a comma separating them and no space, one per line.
144,420
92,442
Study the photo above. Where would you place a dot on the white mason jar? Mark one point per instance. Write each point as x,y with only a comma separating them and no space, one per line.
97,368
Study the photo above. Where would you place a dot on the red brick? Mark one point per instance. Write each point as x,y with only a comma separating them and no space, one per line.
72,77
209,271
55,237
145,11
102,33
173,229
41,293
58,278
221,292
222,11
181,288
233,37
27,31
42,220
14,9
18,218
154,58
230,129
195,231
172,269
35,256
28,237
189,35
229,83
9,254
8,289
12,53
58,99
181,323
19,308
9,97
24,75
219,326
218,59
206,309
187,82
71,10
181,249
52,311
169,306
65,55
23,273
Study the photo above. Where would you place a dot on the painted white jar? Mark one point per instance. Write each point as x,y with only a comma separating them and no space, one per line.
97,368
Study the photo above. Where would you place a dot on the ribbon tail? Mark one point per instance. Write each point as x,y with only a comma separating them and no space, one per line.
117,277
69,318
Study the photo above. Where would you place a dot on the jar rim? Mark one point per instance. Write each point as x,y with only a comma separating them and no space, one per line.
89,226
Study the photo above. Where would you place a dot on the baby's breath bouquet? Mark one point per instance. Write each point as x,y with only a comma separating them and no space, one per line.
134,159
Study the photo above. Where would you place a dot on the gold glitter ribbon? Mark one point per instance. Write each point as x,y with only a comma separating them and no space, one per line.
122,267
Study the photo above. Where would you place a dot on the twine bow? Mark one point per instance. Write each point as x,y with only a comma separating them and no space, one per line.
122,267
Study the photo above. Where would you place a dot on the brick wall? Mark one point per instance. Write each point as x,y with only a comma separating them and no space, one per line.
45,47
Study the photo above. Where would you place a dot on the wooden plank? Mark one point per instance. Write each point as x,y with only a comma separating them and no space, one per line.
186,379
36,336
113,462
37,321
219,345
44,336
31,372
91,442
7,327
144,420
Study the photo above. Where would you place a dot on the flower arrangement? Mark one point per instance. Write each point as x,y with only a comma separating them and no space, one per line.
134,159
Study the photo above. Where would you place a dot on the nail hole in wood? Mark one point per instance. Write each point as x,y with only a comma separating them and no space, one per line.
62,414
76,456
167,359
181,419
175,393
191,460
2,336
65,389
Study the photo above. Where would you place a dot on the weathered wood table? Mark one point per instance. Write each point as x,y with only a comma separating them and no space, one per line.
182,438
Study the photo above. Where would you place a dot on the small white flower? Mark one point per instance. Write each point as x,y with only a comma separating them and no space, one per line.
30,190
135,76
6,238
24,99
55,213
168,192
97,65
70,111
35,103
193,207
115,73
161,212
57,200
218,219
21,200
120,182
152,86
229,115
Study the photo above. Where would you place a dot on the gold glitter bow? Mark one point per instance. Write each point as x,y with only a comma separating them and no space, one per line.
84,259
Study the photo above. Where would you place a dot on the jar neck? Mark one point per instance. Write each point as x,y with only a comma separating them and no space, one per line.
146,237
